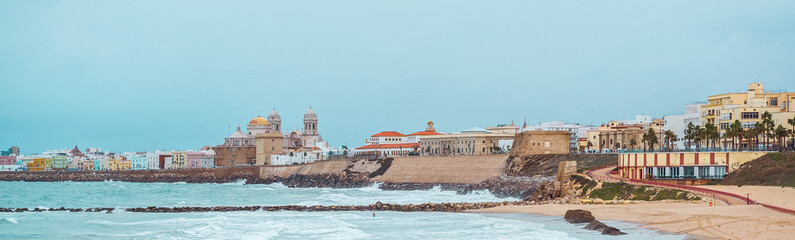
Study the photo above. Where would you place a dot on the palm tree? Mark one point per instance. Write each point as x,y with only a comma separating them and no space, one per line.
632,143
652,139
768,126
781,134
689,133
644,139
618,146
670,137
736,130
698,135
590,144
792,122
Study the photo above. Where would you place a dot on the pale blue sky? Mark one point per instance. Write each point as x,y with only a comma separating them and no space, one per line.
129,75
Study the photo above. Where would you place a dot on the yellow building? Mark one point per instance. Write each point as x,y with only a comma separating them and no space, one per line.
682,167
723,109
40,164
119,164
178,159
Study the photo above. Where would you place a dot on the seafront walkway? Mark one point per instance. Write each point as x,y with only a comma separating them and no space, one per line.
727,195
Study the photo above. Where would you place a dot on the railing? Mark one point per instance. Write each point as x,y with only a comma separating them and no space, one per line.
720,195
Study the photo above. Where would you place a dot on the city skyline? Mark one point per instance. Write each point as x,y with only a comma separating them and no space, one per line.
136,76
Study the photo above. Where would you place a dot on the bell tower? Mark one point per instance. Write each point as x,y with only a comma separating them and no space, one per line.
310,122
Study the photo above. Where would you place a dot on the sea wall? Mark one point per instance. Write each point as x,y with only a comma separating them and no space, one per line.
319,167
466,169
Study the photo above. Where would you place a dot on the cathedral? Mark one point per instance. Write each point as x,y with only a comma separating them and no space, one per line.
255,146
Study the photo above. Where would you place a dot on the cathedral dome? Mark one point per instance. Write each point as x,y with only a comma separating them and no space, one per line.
259,121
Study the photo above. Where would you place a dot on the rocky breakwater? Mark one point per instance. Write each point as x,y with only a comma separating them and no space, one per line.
584,216
517,187
378,206
333,180
127,176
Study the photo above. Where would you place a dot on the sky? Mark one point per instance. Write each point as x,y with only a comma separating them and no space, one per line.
178,75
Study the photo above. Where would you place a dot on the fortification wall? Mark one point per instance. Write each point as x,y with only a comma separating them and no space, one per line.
444,169
319,167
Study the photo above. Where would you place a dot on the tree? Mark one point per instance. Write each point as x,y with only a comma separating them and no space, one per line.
781,134
698,136
689,133
768,126
792,122
590,144
652,139
670,137
644,139
618,146
632,143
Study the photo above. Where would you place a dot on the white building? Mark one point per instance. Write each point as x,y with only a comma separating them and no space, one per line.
678,123
208,159
296,158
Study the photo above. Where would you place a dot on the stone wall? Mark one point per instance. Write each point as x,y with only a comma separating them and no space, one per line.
318,167
540,142
444,169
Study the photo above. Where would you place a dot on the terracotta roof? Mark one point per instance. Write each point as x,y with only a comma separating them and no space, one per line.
315,148
393,145
388,134
424,133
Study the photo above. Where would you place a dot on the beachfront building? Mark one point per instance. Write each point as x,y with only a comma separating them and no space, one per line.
178,159
40,164
747,108
8,160
154,160
682,167
101,163
139,162
85,164
119,164
193,160
208,159
9,163
59,162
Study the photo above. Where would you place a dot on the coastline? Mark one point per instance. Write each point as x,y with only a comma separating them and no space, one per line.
693,219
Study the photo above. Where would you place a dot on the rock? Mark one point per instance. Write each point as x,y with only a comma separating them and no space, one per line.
578,216
612,231
596,225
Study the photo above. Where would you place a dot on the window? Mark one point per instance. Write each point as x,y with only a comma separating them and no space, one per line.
749,115
773,102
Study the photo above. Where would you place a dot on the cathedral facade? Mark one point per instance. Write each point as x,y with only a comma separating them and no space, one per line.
263,137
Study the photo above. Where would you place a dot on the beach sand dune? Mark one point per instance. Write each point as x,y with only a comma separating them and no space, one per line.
694,219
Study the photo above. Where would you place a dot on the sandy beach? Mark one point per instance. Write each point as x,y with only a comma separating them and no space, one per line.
693,219
776,196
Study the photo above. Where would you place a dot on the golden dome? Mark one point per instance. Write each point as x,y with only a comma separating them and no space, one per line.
260,121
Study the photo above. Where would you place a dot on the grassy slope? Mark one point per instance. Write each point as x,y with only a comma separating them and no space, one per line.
772,169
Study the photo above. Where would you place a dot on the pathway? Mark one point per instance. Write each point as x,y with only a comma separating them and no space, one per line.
603,174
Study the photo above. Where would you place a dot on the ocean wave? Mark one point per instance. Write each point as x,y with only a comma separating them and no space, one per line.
9,220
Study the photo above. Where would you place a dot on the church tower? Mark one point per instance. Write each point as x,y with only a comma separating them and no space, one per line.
310,122
275,121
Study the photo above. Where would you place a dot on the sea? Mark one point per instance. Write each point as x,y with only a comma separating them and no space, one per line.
268,225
